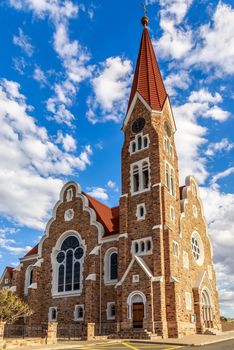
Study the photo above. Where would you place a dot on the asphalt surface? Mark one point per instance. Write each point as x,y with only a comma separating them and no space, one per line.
125,345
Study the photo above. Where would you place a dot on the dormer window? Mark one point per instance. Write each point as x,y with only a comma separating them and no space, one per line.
140,142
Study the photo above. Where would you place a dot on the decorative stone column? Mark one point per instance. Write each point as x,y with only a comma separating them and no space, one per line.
90,331
2,326
52,333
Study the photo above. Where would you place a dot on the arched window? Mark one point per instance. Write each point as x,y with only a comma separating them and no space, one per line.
111,266
28,279
52,314
145,175
134,147
79,313
139,142
206,307
145,142
167,177
136,179
172,182
68,261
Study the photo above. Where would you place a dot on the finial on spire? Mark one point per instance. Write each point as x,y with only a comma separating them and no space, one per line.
145,18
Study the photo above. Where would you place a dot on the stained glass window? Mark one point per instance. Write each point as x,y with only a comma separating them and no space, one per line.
69,265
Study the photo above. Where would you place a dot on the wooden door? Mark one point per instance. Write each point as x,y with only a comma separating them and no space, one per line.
138,315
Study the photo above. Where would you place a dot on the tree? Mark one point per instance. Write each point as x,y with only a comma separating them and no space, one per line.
223,319
12,307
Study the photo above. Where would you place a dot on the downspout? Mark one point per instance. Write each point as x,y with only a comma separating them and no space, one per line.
100,291
152,305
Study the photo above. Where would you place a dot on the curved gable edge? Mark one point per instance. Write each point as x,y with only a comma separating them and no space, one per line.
86,207
184,201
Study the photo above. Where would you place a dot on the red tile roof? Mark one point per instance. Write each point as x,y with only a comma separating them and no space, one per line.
10,270
33,251
147,79
108,217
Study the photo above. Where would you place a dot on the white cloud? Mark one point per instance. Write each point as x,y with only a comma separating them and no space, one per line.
55,9
23,41
99,193
223,146
111,88
222,175
39,76
74,57
219,211
67,141
19,64
203,95
216,41
30,161
112,185
175,41
193,135
174,81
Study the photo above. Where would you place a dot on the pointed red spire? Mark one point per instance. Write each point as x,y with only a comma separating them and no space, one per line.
147,79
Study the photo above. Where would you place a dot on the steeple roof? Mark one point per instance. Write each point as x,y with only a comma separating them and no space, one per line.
147,79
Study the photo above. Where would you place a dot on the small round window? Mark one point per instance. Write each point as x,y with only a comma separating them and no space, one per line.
197,248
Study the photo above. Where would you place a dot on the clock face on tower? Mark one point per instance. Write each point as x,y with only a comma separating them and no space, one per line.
138,125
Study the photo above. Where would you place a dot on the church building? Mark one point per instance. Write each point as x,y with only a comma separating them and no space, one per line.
142,268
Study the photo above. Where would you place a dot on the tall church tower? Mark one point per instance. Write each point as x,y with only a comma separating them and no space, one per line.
150,203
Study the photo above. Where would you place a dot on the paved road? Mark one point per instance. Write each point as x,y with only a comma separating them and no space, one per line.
227,345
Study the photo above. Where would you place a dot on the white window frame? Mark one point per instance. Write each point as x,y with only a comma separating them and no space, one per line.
139,242
185,260
107,266
171,174
68,215
136,143
69,195
27,279
55,265
172,213
139,164
168,148
6,281
76,318
109,317
51,308
138,211
199,261
188,300
175,249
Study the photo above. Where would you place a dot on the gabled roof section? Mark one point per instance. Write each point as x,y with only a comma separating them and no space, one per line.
33,251
147,79
108,217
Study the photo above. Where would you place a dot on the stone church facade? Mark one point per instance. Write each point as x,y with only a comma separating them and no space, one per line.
143,265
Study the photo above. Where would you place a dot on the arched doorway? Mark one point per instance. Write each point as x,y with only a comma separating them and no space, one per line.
207,313
136,308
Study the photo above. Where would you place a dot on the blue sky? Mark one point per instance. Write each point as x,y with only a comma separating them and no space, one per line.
66,69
